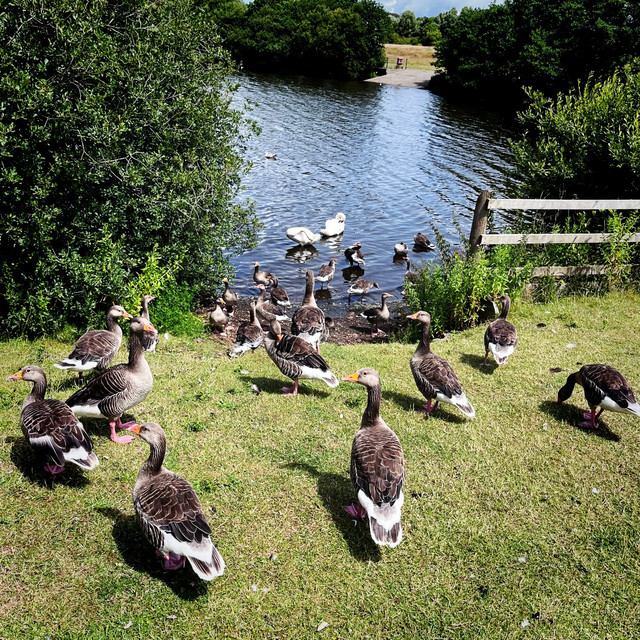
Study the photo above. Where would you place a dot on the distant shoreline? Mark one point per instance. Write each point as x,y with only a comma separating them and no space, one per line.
416,78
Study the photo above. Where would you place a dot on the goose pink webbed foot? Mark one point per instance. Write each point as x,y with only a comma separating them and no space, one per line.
54,469
356,511
120,439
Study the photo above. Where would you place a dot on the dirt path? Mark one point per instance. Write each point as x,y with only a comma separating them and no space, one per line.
416,78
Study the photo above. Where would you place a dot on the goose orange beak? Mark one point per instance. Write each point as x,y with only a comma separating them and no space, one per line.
127,315
16,376
135,428
149,327
352,378
413,316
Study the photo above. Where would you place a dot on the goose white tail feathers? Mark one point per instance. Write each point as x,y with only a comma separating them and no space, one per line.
464,405
86,462
84,364
500,352
384,520
208,570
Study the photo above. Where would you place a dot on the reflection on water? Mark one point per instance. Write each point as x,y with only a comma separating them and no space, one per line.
394,160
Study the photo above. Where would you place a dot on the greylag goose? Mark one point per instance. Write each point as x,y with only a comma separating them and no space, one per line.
259,276
278,295
51,428
334,226
354,254
422,242
249,334
410,276
119,388
308,321
327,272
377,468
266,311
302,235
501,337
169,512
296,359
400,249
149,341
218,318
361,287
230,297
434,376
96,349
376,315
604,387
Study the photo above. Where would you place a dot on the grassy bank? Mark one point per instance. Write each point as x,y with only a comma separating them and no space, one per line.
517,524
418,57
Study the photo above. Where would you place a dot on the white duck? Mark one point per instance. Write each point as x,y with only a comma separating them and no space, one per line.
302,235
334,226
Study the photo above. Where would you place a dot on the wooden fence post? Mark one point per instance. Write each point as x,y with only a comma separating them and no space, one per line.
480,217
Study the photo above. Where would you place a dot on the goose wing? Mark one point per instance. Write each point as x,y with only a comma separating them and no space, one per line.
98,346
106,392
600,381
309,320
433,375
299,352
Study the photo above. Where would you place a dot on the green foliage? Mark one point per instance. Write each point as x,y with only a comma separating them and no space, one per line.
117,145
333,37
172,312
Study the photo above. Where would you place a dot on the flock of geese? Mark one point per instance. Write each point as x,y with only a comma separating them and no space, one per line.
166,505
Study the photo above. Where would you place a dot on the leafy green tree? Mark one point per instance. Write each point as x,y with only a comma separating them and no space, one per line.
117,143
407,26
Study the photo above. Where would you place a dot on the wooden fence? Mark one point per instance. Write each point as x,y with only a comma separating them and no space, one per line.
486,203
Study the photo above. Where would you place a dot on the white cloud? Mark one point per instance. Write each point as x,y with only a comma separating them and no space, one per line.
432,8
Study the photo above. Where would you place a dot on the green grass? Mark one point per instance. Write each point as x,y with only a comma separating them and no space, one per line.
518,515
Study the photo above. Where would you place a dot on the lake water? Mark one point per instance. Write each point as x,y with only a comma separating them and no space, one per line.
395,160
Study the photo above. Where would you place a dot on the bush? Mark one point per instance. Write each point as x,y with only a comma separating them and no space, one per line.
118,145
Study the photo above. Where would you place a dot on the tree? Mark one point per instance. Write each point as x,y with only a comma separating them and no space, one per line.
407,26
119,150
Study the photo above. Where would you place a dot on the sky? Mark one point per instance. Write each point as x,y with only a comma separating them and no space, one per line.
430,8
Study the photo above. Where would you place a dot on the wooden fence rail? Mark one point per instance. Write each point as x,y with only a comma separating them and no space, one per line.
485,204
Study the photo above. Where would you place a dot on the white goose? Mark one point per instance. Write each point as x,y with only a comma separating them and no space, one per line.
334,226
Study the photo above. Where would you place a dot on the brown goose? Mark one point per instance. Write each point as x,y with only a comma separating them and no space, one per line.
361,287
230,297
267,311
377,468
354,254
327,272
119,388
501,337
410,276
96,349
278,295
308,321
296,359
249,334
170,514
604,387
259,276
422,242
434,376
149,341
218,318
376,315
51,428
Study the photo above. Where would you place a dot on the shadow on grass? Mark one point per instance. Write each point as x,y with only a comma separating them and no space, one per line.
31,466
73,383
335,491
274,386
475,361
573,415
141,556
413,403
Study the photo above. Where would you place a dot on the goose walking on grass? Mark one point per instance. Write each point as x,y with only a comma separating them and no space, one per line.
377,315
149,341
170,514
119,388
377,467
51,428
501,337
604,387
96,349
308,321
296,359
249,335
434,376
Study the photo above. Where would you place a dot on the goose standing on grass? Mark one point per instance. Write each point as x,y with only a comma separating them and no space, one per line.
302,235
434,376
308,321
354,254
51,428
230,297
361,287
501,337
119,388
604,387
377,468
400,250
422,242
334,226
327,272
296,359
170,514
266,311
149,341
278,295
249,334
376,315
260,276
218,318
96,349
